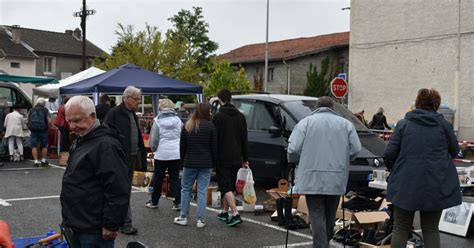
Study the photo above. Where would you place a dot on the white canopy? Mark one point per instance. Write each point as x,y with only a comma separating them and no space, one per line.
52,90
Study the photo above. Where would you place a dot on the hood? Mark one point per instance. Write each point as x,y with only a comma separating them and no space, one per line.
104,130
229,109
424,117
165,120
325,110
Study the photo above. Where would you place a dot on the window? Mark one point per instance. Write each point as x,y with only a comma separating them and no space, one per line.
270,74
15,65
287,120
49,65
259,116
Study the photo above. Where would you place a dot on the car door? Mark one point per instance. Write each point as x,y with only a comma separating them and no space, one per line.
266,151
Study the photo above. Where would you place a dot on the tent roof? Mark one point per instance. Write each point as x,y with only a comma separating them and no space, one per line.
52,90
115,81
26,79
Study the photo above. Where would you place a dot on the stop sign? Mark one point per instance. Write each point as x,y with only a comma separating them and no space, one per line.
338,87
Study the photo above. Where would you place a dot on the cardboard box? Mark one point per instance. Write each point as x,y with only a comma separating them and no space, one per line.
365,245
63,158
269,205
303,209
210,189
138,178
282,191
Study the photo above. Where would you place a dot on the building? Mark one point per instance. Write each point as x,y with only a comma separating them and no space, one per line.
289,60
33,52
398,47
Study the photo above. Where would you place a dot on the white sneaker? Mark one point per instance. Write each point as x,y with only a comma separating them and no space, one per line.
181,221
200,223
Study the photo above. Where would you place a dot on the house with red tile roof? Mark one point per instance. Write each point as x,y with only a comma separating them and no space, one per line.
289,60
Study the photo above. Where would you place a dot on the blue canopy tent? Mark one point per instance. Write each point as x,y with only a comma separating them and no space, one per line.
115,81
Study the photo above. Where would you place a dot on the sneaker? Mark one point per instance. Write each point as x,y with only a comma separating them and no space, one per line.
200,223
175,207
150,204
36,164
181,221
128,230
44,164
223,216
234,220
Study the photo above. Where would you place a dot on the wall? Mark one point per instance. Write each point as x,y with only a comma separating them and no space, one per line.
298,69
27,68
70,64
400,46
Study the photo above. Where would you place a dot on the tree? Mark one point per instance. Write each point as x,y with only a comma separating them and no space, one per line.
190,28
224,76
150,50
318,84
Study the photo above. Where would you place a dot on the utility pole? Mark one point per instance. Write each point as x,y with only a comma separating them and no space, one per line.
265,81
83,15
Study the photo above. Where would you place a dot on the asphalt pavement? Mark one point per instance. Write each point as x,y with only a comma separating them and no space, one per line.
34,208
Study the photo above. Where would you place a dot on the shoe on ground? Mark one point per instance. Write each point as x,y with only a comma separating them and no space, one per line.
150,204
45,163
128,230
36,165
1,164
223,216
175,207
181,221
200,223
234,220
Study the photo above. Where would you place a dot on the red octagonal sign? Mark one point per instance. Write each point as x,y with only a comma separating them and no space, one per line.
338,87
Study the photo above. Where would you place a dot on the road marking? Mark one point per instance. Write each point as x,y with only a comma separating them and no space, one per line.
4,203
263,224
32,198
291,245
21,169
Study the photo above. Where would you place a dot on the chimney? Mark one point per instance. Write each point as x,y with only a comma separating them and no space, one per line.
68,31
77,34
16,34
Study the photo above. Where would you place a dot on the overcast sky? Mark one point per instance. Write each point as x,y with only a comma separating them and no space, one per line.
232,23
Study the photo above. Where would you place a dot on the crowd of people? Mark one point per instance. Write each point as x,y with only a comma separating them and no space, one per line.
107,149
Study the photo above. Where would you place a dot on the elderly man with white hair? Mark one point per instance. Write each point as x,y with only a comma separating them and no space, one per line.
124,119
95,189
39,121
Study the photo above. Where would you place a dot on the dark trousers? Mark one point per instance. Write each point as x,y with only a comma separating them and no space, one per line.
134,160
402,226
173,167
64,139
322,215
84,240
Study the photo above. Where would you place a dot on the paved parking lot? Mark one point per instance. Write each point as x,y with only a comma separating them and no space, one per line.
35,209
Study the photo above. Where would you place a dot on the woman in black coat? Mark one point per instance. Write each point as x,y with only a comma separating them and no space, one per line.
423,177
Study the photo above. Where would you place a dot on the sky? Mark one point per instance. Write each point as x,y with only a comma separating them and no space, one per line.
232,23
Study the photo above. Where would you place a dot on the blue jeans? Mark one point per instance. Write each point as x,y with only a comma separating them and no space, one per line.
86,240
203,176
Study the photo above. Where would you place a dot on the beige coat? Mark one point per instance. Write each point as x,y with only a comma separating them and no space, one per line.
14,125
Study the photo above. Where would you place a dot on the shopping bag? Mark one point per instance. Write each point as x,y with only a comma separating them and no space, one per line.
250,197
241,178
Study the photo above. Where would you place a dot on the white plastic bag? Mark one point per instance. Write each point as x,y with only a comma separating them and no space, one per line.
241,180
250,197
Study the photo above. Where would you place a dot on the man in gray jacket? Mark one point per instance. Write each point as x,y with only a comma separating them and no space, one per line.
322,145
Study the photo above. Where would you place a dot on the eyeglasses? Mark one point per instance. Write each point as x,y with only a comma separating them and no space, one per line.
137,99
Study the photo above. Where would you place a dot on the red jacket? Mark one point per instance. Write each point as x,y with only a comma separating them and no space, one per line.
61,118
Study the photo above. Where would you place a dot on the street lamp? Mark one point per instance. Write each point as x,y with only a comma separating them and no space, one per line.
83,15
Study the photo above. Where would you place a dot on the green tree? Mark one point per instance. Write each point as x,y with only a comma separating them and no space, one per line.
151,50
318,84
190,27
222,76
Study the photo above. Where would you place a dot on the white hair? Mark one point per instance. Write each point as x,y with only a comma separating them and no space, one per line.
41,101
130,90
86,104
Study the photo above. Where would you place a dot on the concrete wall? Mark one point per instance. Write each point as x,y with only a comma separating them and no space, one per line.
298,68
400,46
71,64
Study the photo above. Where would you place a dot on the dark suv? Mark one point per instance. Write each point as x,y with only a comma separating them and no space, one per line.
270,120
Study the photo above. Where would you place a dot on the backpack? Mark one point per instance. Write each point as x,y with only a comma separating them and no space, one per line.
37,120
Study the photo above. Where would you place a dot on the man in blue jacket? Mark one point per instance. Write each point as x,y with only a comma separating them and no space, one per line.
322,145
95,189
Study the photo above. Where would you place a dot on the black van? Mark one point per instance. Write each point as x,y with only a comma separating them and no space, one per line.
270,120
